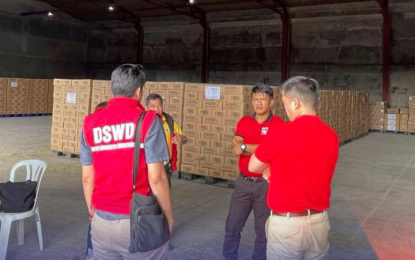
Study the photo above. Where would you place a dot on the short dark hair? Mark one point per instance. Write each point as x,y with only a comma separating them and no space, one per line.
126,79
304,88
263,89
153,96
102,105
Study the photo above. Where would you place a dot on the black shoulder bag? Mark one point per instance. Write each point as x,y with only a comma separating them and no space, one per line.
149,226
17,197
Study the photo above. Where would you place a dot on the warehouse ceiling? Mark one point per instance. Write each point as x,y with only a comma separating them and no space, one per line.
133,10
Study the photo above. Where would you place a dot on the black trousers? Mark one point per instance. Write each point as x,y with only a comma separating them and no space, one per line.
246,197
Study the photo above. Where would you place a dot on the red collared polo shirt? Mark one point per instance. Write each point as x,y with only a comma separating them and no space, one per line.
253,133
302,157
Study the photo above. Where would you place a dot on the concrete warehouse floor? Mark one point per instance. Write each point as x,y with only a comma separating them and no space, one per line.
372,202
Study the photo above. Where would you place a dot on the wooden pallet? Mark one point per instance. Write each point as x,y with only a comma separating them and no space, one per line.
65,154
209,180
411,133
375,131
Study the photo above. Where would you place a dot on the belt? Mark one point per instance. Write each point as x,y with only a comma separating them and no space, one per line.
253,179
297,214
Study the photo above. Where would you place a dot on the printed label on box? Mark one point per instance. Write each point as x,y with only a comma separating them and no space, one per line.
71,98
212,92
13,84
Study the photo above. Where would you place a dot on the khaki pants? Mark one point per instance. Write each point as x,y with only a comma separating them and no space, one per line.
111,239
292,238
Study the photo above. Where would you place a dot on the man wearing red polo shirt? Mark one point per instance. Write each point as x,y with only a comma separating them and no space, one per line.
250,188
299,160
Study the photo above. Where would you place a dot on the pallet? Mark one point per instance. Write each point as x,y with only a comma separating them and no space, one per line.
65,154
189,176
411,133
25,115
209,180
176,175
376,131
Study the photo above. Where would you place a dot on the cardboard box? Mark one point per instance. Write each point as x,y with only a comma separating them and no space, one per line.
218,129
176,85
228,89
193,103
192,134
228,175
212,151
213,105
204,112
174,93
194,88
227,137
188,168
203,143
202,171
404,111
392,111
204,127
176,100
190,96
230,122
190,111
237,98
211,136
174,107
404,117
212,120
218,144
191,141
234,114
230,129
215,173
219,113
192,119
190,126
193,149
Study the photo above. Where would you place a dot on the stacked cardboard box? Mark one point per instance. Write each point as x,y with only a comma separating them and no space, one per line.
278,107
392,119
38,96
17,96
72,102
377,112
101,92
211,113
411,121
404,117
3,96
50,96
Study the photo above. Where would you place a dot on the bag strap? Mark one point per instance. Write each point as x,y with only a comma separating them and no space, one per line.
137,147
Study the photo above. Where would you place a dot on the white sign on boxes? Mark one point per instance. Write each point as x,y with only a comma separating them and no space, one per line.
212,92
71,98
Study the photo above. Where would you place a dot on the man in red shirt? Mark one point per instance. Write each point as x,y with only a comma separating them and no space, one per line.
250,188
299,160
107,158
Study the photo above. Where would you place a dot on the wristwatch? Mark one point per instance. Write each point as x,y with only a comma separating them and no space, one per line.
243,147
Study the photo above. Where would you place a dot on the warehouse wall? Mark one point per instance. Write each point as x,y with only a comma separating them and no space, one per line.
38,48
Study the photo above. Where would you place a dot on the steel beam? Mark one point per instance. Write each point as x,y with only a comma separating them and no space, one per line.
206,49
386,73
140,43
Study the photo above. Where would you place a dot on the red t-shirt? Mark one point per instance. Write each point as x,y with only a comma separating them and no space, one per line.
302,157
253,133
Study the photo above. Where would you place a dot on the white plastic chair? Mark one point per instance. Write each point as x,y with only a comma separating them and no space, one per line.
34,172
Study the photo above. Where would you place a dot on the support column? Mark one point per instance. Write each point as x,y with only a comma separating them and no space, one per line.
286,46
206,50
140,43
386,74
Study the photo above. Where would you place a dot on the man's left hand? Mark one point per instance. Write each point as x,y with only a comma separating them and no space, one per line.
177,138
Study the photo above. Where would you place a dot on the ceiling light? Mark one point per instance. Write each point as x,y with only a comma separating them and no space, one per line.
191,1
111,8
50,14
